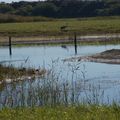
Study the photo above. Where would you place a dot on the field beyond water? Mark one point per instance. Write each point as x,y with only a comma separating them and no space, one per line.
62,113
83,26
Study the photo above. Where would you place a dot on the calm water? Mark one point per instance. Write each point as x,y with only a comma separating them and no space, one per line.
107,76
42,56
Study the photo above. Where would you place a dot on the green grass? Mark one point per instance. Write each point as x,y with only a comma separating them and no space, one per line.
100,25
62,113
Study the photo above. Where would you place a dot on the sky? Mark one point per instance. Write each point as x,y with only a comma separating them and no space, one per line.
9,1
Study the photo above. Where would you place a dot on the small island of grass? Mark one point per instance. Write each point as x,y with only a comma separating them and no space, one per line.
109,56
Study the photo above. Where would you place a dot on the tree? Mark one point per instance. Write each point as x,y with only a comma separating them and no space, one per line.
5,8
25,10
45,9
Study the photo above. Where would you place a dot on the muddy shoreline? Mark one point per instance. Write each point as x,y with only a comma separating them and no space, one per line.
41,40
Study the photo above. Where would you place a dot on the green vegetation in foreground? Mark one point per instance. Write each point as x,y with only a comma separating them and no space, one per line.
99,25
62,113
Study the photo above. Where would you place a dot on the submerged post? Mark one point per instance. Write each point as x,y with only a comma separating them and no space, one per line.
10,46
75,42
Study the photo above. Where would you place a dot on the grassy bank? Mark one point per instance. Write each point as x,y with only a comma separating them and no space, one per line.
10,73
99,25
62,113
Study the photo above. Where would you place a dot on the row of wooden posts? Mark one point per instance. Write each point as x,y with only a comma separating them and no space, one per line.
10,44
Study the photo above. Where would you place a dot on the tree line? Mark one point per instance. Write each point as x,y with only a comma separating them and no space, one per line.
62,8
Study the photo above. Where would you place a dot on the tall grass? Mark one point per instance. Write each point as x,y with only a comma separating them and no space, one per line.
53,89
8,18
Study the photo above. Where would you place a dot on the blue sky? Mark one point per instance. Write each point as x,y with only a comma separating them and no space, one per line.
17,0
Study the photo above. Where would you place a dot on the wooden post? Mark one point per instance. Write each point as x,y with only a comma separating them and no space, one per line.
75,42
10,46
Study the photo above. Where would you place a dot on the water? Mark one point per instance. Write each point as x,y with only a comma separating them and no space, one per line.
44,55
101,76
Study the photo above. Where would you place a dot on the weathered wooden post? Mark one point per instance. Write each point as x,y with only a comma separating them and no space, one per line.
10,46
75,42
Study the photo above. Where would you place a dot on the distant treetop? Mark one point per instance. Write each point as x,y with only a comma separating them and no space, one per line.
62,8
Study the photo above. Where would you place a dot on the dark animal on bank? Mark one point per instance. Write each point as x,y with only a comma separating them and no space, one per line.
63,28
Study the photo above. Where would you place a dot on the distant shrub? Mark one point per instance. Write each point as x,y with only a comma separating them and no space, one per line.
8,18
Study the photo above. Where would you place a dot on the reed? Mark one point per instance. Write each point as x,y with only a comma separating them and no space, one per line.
52,89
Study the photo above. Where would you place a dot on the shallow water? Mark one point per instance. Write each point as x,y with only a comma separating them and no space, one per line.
107,76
